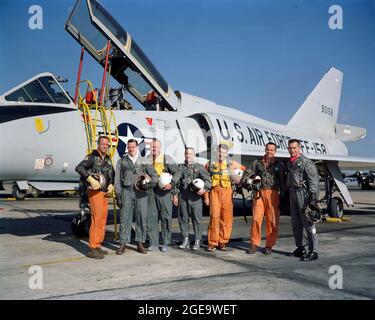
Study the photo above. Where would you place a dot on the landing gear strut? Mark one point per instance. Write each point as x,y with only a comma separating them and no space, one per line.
335,205
35,192
18,193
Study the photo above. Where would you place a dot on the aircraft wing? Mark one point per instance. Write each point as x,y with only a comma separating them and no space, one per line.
334,164
348,162
344,162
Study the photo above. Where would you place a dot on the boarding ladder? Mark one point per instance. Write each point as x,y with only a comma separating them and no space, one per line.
98,120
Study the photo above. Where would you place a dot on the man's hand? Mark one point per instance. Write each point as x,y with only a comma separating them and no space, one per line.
110,190
312,200
95,185
201,192
207,201
168,187
175,200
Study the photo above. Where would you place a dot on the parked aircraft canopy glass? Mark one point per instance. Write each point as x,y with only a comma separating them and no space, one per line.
92,26
137,85
118,31
137,53
86,33
111,24
44,89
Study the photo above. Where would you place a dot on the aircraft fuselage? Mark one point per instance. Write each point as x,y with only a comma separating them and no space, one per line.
32,154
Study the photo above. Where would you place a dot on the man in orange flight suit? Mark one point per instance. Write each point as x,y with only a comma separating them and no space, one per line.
271,173
98,163
220,198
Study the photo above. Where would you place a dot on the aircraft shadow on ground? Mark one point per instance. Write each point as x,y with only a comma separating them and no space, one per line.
56,225
364,210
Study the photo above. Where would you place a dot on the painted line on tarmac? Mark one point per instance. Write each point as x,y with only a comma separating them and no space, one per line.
55,261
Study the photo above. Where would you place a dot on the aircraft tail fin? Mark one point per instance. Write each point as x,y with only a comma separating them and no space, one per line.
319,111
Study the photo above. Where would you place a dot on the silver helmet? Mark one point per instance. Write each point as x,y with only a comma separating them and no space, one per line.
142,182
313,213
101,179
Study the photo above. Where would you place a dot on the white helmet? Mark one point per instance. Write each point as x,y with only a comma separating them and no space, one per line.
238,172
197,185
164,179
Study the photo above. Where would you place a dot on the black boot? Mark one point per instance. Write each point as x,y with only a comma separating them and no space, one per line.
140,248
300,252
94,253
121,249
310,256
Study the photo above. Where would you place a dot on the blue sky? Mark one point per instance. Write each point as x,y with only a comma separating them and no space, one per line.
262,57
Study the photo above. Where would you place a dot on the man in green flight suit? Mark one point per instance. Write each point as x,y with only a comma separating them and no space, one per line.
160,205
303,184
190,198
134,179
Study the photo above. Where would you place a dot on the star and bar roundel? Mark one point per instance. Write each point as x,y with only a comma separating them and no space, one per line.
127,131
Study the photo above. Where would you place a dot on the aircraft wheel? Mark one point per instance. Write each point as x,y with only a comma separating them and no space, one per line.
336,208
18,193
81,225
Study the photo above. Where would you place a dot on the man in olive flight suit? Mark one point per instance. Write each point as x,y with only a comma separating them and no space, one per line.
303,185
161,205
134,201
191,203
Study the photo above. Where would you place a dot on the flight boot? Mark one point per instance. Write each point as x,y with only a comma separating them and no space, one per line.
185,244
197,245
94,253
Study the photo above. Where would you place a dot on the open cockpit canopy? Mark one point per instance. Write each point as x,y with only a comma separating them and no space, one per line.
92,26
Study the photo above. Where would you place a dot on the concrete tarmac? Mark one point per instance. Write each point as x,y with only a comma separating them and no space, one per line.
41,259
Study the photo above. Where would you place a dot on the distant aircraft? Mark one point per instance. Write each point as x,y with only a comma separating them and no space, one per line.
365,180
44,134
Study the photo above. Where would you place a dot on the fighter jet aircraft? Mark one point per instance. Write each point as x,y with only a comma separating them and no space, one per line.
365,180
44,134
